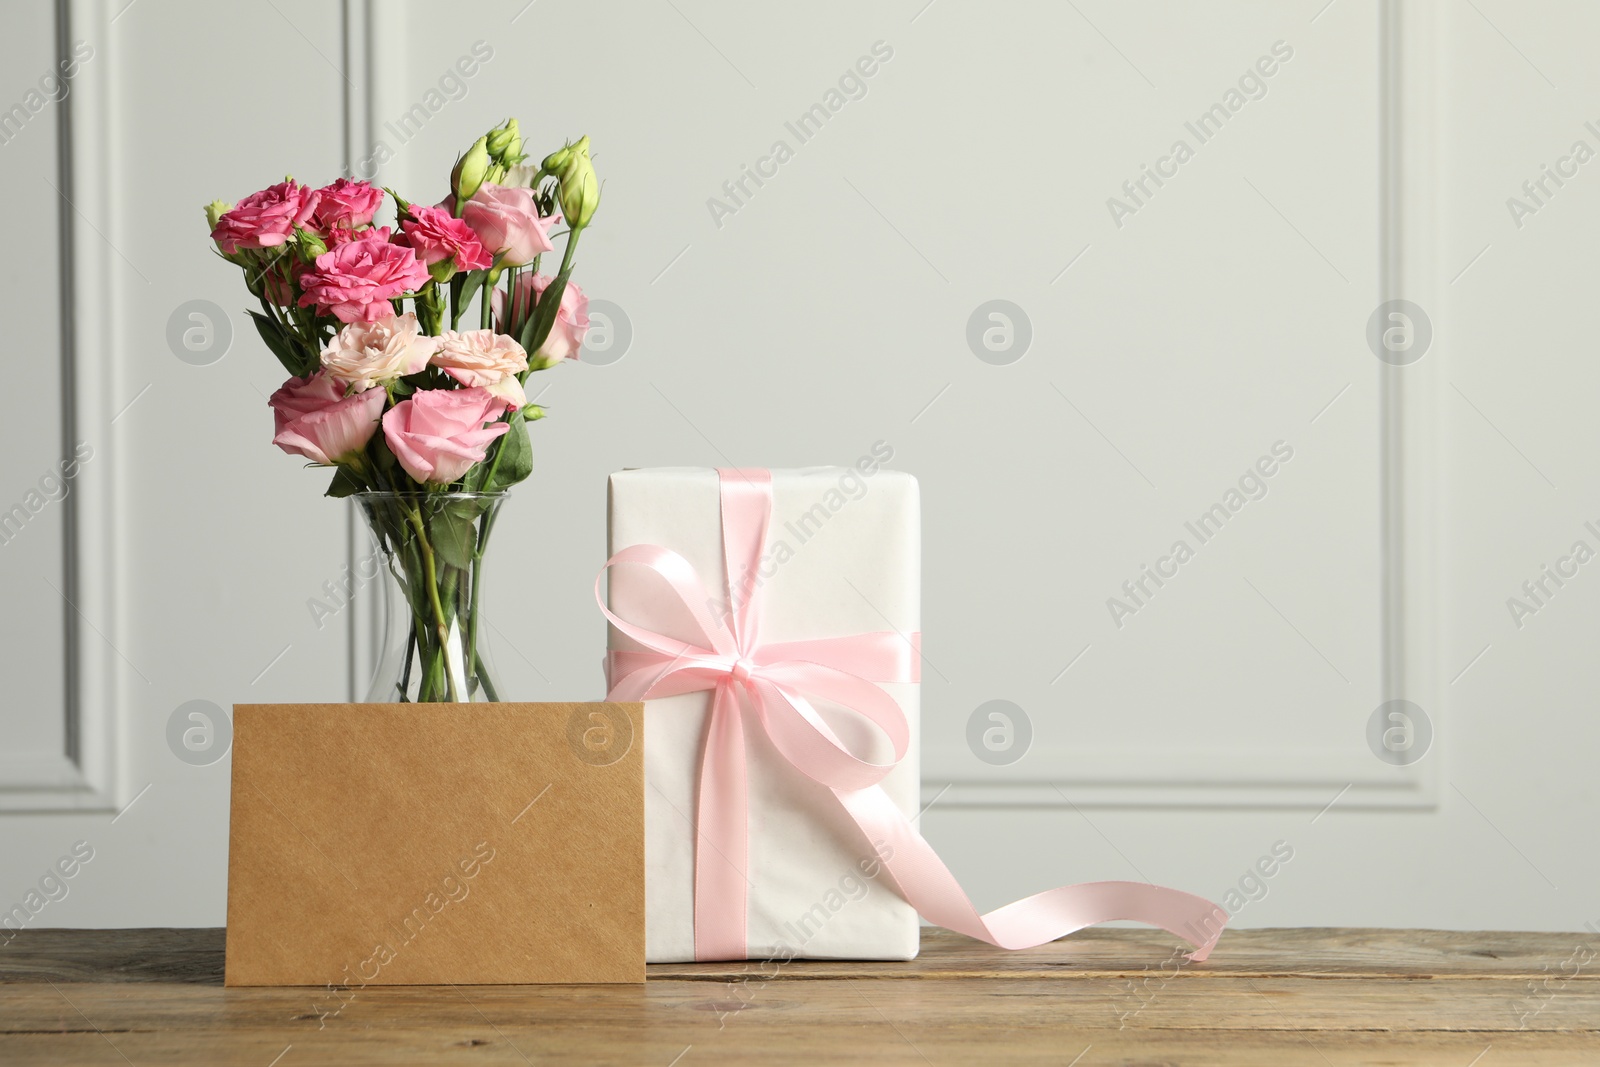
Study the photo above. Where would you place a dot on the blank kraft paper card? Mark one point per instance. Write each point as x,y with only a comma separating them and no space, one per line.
421,844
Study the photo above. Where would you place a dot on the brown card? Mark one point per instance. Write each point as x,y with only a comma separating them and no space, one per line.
421,844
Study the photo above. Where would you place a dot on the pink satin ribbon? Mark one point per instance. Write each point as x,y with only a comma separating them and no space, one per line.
772,683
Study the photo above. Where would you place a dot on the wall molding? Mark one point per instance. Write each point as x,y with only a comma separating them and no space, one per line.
1306,778
88,774
1142,778
373,86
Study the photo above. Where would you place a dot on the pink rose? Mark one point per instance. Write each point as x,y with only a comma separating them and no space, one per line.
355,281
438,434
312,417
566,333
439,237
508,224
339,235
345,205
265,219
365,354
486,359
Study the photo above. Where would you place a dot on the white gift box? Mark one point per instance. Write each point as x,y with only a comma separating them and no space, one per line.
843,557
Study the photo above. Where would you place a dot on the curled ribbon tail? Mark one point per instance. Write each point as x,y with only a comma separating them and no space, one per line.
927,885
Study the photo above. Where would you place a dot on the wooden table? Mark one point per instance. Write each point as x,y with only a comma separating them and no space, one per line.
1321,997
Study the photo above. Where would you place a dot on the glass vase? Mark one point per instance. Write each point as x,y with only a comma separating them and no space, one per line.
432,545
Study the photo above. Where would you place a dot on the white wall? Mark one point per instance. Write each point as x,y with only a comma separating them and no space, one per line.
1169,352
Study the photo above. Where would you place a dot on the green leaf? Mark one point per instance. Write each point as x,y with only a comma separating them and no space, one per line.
344,483
463,287
452,531
544,315
515,455
283,345
455,294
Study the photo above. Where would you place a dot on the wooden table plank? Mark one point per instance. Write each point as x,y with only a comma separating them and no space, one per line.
1115,996
195,955
1309,1004
1347,951
485,1047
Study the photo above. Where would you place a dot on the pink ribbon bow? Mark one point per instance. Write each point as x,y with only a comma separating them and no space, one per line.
772,682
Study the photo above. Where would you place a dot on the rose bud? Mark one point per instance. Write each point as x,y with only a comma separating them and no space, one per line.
308,245
470,171
505,143
580,189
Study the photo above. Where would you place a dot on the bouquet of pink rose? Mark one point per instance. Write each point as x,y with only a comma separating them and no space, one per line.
367,321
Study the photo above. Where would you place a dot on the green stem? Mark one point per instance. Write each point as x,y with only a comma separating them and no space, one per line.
411,560
483,676
511,302
433,594
484,526
436,673
566,254
499,448
428,308
420,638
566,266
405,672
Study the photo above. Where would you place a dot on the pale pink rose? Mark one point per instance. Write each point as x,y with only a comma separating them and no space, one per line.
508,224
521,175
439,237
438,434
265,219
313,417
486,359
354,282
365,354
566,333
345,205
